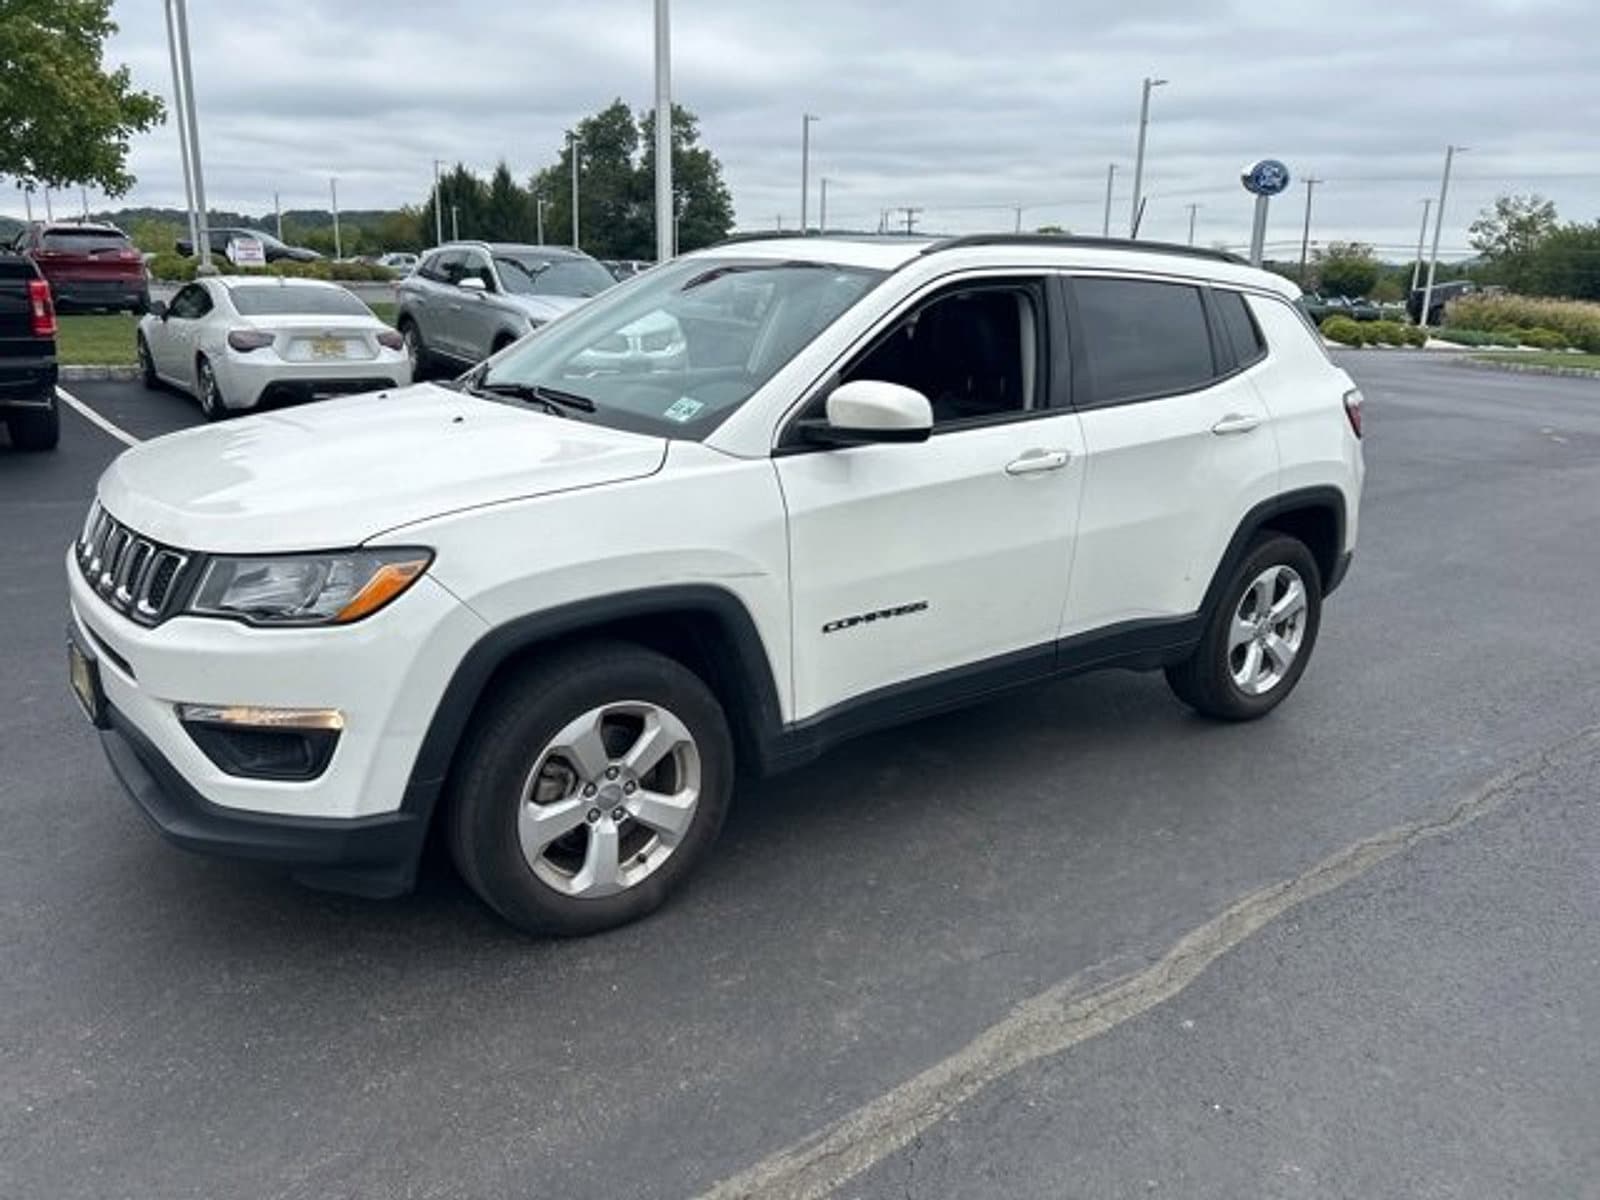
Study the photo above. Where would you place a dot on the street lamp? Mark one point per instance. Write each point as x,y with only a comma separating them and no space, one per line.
1138,158
1111,178
188,132
333,195
573,143
538,215
666,222
805,165
1422,236
1193,209
438,207
822,214
1450,153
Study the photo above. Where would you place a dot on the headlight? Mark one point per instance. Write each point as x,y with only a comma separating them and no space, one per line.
307,589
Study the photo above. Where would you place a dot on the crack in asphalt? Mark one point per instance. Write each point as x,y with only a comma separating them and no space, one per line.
1063,1015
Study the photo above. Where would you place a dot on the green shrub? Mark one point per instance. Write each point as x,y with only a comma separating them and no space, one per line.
1344,331
174,268
1387,333
1576,321
1543,339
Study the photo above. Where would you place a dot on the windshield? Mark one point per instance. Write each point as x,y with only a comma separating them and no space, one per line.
292,300
526,275
679,348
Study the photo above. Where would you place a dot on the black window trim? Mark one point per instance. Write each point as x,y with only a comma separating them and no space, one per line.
1053,386
1083,391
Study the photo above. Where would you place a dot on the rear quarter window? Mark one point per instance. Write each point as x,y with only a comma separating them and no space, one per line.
1249,347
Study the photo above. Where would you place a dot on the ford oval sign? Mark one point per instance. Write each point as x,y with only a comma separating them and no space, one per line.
1265,178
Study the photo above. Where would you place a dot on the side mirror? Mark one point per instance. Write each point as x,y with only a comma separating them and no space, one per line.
471,283
157,308
865,411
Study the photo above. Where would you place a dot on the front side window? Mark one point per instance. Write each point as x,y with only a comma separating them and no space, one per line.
530,275
190,303
1139,339
678,350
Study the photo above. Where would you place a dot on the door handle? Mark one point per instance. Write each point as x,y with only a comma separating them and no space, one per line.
1236,423
1035,461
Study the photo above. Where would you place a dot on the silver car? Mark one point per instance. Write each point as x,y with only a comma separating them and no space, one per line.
467,300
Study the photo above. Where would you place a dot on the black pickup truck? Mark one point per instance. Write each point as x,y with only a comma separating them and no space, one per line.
27,356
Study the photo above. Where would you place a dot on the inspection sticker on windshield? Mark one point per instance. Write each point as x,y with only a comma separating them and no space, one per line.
683,409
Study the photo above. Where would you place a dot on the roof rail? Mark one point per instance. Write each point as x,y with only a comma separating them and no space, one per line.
734,239
1083,242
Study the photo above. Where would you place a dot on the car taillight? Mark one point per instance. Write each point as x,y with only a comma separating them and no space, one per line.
391,340
247,340
1352,409
43,309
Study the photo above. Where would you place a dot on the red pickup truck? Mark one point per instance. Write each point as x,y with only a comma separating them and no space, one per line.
27,355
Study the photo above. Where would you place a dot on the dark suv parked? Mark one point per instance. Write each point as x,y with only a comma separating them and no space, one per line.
87,266
1443,293
274,249
27,355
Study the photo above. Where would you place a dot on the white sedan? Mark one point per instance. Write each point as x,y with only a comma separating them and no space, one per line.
236,342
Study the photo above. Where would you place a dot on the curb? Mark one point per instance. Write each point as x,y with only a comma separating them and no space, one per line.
82,374
1513,368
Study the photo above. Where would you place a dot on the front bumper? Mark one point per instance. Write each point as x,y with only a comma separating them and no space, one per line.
368,856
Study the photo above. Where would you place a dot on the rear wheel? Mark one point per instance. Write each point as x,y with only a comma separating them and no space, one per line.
210,394
416,349
147,364
593,784
1260,636
35,428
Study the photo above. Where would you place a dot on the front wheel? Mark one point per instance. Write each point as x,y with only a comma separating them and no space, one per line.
211,402
1259,638
594,782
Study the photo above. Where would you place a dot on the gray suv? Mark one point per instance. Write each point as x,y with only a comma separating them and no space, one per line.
467,300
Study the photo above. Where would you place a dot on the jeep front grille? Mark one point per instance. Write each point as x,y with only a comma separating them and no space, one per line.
134,575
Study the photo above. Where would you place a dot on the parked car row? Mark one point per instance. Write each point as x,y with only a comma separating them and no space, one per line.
1357,308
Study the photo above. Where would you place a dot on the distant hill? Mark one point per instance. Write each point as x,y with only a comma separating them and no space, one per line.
301,218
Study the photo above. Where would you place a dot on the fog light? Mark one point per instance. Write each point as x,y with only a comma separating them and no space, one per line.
251,742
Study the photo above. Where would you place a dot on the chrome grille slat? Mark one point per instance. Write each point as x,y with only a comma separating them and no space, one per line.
135,575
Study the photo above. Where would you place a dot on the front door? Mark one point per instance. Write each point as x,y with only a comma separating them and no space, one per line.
908,560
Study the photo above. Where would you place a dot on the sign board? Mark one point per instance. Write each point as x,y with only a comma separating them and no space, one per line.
247,252
1265,178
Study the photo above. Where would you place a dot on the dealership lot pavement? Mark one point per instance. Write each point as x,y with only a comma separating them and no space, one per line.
1416,1022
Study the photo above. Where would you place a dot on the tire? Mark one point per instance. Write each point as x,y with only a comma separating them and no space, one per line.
35,428
147,366
536,877
416,350
208,392
1248,661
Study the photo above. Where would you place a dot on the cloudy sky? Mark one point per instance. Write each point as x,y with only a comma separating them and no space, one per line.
966,109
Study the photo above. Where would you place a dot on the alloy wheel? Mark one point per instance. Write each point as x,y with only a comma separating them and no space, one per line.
1267,629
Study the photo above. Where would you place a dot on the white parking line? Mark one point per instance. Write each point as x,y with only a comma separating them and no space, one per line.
94,418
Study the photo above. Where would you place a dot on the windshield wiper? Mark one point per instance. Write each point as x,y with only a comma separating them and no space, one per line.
550,399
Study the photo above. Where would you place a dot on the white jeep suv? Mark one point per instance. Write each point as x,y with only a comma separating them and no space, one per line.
548,612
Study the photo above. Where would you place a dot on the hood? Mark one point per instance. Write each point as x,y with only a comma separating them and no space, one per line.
545,308
337,472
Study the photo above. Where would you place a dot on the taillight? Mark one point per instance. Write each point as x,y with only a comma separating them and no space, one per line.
1352,409
247,340
43,309
391,340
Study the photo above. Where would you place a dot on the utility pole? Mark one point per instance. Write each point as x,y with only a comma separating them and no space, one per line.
455,223
201,218
333,193
1017,208
666,220
822,219
1193,208
83,194
805,166
1137,210
438,207
573,142
779,220
1111,176
277,213
1438,227
910,216
183,130
1305,231
1422,235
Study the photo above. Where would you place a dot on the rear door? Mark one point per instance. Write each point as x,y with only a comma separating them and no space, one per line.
1179,447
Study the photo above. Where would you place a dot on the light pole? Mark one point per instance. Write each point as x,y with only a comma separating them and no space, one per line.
1111,176
333,194
1193,208
805,165
201,219
538,215
1138,158
1438,227
573,143
1305,231
1422,236
83,196
822,214
455,223
183,129
666,222
438,207
49,213
277,213
27,200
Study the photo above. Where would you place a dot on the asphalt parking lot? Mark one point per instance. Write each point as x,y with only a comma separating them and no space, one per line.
1075,942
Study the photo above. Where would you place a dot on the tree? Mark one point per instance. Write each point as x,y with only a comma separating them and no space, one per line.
1509,234
701,201
1347,269
507,214
1567,263
64,119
